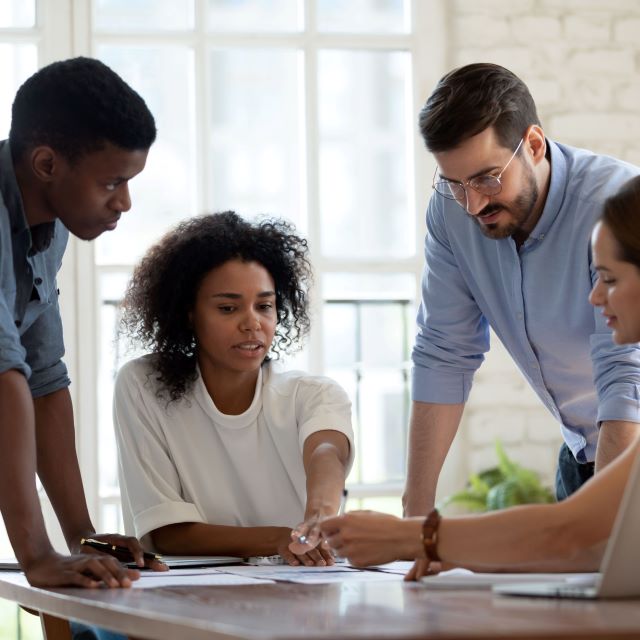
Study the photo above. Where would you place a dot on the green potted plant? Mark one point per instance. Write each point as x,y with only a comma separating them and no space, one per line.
506,485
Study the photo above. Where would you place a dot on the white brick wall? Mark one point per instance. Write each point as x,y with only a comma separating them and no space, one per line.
581,61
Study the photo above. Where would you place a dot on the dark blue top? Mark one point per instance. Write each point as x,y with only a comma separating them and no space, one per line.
30,325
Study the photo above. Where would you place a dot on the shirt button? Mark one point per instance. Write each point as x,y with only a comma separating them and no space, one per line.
18,323
38,280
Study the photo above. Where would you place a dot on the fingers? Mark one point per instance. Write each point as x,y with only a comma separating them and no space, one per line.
314,558
326,553
290,558
88,571
136,549
156,565
131,544
421,568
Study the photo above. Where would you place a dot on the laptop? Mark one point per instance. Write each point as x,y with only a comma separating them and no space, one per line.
619,575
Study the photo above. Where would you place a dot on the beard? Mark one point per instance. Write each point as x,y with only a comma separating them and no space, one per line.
521,212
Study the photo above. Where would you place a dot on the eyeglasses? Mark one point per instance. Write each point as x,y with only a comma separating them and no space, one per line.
487,184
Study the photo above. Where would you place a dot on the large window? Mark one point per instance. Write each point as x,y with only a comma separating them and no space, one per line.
303,109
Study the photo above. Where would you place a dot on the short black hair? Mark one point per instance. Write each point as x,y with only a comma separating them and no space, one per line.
76,106
163,289
469,100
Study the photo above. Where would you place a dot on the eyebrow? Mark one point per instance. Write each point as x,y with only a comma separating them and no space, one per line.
599,268
238,296
482,172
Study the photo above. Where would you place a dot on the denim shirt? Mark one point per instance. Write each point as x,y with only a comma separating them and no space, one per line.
30,325
535,298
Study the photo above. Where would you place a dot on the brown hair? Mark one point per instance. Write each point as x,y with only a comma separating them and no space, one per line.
470,99
622,216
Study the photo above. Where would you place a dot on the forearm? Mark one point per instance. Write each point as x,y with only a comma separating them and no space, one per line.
531,538
58,464
431,432
325,466
614,437
196,538
19,501
569,535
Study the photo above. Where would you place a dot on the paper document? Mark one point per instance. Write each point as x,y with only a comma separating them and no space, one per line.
312,575
399,566
460,579
193,577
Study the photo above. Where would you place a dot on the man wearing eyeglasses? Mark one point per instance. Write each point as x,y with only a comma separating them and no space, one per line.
507,247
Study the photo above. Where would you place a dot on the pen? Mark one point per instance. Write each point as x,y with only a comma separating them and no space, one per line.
121,553
343,502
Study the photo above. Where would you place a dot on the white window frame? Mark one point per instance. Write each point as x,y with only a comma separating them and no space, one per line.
65,30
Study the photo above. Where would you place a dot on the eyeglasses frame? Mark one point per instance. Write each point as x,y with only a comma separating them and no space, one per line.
467,183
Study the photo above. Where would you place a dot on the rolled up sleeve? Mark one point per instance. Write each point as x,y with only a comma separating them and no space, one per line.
453,334
149,481
44,345
12,354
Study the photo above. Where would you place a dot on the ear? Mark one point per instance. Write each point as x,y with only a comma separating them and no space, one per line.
535,144
45,163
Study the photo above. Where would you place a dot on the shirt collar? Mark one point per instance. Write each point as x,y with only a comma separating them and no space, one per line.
41,234
555,194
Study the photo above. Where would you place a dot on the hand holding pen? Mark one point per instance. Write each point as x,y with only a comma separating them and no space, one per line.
126,549
307,534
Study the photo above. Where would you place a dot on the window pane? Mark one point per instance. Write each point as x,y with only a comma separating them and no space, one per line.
254,15
165,191
369,286
255,149
143,15
355,16
384,399
17,14
365,179
383,504
340,321
17,63
111,357
111,518
366,349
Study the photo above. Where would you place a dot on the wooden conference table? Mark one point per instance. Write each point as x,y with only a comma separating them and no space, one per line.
291,611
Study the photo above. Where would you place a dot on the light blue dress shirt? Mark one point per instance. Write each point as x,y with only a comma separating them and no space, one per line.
536,301
30,326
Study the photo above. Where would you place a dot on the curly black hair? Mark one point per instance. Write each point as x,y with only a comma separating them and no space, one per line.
163,288
76,106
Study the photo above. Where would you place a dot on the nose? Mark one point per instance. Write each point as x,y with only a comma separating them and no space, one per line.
250,321
476,202
121,200
597,297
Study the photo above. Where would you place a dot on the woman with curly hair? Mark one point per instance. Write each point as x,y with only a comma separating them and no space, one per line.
221,453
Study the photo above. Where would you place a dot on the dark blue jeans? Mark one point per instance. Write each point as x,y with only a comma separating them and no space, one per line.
571,474
80,631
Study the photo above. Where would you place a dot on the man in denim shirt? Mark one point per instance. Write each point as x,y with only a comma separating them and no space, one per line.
508,248
78,134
